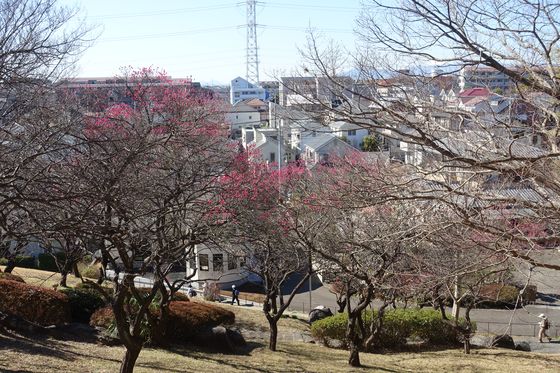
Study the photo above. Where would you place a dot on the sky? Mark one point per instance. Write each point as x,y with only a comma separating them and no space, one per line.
206,39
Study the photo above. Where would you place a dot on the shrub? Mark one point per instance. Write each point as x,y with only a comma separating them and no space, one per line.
83,303
185,318
398,326
10,277
47,262
33,303
89,271
22,261
102,318
498,295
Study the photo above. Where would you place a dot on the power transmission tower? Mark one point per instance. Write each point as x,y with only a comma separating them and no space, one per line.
252,48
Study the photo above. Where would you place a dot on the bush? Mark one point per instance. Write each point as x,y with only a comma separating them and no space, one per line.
22,261
185,319
498,296
10,277
398,326
47,262
102,318
188,318
33,303
89,271
83,303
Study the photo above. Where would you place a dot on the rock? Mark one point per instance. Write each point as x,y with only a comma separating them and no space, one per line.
220,339
523,346
319,313
481,340
503,341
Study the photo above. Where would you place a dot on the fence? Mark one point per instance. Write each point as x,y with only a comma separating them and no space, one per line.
517,329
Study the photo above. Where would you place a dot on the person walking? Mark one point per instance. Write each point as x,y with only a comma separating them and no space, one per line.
234,295
544,325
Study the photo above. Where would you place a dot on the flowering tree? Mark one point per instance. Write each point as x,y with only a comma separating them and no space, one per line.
140,181
256,204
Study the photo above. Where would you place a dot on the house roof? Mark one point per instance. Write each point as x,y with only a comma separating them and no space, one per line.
343,125
477,91
242,107
254,102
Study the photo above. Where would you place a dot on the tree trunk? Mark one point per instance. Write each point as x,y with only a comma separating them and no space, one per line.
10,266
63,278
273,334
467,345
76,270
353,341
129,359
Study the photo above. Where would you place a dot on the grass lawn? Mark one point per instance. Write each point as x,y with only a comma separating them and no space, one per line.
43,278
18,354
23,354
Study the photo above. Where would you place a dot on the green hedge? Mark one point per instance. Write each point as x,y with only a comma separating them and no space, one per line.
398,326
22,261
46,262
83,303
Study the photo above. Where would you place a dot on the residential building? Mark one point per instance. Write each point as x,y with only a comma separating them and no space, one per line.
349,132
241,116
241,89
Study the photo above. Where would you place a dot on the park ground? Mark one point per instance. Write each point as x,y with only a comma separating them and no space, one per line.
20,353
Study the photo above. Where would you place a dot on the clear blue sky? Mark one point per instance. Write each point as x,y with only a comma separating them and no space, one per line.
206,39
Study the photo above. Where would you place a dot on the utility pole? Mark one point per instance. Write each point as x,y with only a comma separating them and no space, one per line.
252,48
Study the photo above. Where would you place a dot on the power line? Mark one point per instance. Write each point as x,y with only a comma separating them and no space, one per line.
168,11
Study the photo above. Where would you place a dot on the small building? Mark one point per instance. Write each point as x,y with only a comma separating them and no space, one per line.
241,116
350,132
213,264
321,147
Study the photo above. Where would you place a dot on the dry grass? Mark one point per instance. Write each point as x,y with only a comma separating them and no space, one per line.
21,354
43,278
18,353
252,317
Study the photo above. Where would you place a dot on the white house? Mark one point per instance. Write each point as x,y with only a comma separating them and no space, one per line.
213,264
241,116
241,89
353,133
321,147
265,141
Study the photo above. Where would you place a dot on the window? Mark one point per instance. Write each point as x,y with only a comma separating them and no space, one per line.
250,117
352,133
218,262
272,157
192,262
203,262
232,262
237,117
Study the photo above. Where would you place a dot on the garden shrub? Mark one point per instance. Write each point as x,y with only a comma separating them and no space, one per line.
398,326
22,261
89,271
83,302
102,318
47,262
10,277
185,318
33,303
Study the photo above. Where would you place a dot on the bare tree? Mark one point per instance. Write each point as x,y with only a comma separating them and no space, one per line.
486,159
40,42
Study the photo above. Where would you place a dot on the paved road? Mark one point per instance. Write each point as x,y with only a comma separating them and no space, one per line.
517,322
